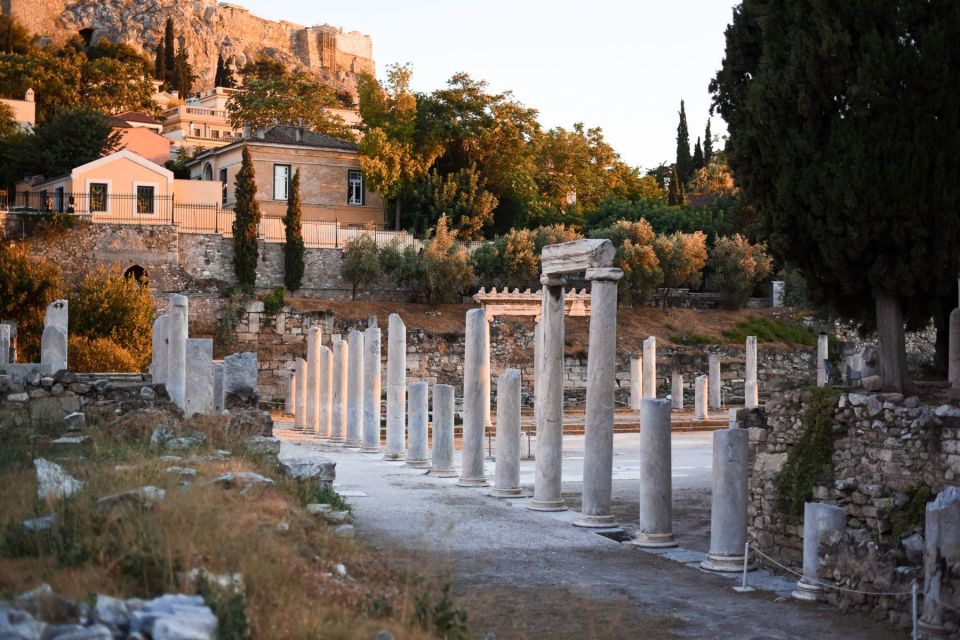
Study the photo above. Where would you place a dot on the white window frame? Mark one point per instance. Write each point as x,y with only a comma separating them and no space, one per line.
286,187
91,181
136,198
350,183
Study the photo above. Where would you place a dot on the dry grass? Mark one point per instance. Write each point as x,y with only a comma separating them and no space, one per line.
287,558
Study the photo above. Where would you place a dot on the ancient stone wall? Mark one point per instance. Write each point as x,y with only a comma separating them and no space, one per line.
890,455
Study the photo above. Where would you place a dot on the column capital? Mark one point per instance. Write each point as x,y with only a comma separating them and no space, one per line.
604,273
553,280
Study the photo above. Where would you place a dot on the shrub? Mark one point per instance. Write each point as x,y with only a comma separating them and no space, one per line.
682,257
738,267
436,274
99,355
771,330
360,263
636,257
273,302
27,286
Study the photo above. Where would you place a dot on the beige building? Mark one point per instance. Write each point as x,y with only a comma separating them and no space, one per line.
201,122
24,111
332,186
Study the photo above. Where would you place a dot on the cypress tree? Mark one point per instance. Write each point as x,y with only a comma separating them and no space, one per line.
245,223
707,145
684,165
698,157
293,247
676,197
224,76
169,53
159,68
183,74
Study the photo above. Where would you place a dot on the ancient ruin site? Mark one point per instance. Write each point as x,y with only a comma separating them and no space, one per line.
297,345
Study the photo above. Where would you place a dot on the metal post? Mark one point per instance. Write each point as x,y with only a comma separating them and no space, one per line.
743,588
913,595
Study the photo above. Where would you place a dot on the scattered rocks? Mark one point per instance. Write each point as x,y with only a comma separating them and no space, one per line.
144,498
42,603
317,508
322,471
53,481
164,437
43,523
75,421
243,480
161,436
183,471
18,397
344,531
72,443
147,393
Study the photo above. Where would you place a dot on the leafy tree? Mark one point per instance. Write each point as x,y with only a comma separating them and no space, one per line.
554,234
69,139
293,247
635,255
682,257
872,231
100,355
460,196
14,37
245,224
8,125
698,159
436,274
224,75
630,185
684,165
27,286
707,145
361,264
738,267
578,168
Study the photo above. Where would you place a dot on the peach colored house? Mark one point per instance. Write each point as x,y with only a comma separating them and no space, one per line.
332,186
137,135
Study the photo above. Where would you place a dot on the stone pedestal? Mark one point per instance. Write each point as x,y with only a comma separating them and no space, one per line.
818,520
547,495
715,401
219,390
823,352
325,395
656,484
601,379
676,391
177,348
158,364
507,475
953,350
636,382
355,389
942,548
475,370
341,364
241,373
728,510
650,367
300,380
53,348
198,398
442,455
313,380
396,387
371,394
700,398
751,394
417,410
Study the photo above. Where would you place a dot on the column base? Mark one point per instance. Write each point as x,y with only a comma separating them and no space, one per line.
393,456
724,564
418,464
596,521
444,473
931,630
506,493
654,540
547,505
806,592
480,481
369,449
352,444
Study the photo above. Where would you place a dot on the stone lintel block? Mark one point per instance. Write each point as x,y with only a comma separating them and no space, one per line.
576,256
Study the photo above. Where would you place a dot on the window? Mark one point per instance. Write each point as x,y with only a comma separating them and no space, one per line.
223,186
215,134
45,204
281,181
196,133
144,199
355,187
98,197
58,199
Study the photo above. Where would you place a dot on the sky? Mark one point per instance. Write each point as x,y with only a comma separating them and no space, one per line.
620,65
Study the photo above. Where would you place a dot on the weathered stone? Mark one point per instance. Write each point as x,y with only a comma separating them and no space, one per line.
355,389
371,392
576,256
728,511
244,480
240,377
442,453
143,498
417,423
174,617
322,471
147,393
53,481
161,435
471,472
198,398
42,603
507,472
872,383
547,488
656,502
396,387
158,366
53,348
75,421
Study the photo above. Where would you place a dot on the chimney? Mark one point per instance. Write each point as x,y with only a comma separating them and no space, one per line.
261,132
246,131
29,95
299,133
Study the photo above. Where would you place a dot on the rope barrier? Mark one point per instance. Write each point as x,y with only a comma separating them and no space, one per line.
946,606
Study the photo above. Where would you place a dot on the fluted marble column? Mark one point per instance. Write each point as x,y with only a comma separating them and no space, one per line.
728,511
601,379
700,398
636,382
715,399
475,369
313,380
341,366
442,453
487,422
396,387
650,367
656,483
289,393
177,349
537,362
676,391
417,411
823,352
326,392
355,389
507,472
371,396
818,520
547,494
300,410
751,387
158,366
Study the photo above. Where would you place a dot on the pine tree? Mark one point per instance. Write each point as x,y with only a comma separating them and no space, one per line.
169,53
707,145
698,157
245,223
293,247
684,165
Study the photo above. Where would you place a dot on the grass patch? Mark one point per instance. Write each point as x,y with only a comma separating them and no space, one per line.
771,330
691,339
810,459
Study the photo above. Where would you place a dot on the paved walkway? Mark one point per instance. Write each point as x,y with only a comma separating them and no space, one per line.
490,546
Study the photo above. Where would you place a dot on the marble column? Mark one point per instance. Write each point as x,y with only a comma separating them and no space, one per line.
942,548
650,367
371,395
547,495
953,349
728,509
475,369
636,382
5,343
818,520
396,387
601,379
751,395
823,352
751,392
715,401
341,366
486,381
290,393
355,389
507,473
700,391
313,380
158,364
656,484
219,389
676,391
537,362
300,410
177,349
198,396
417,410
442,454
325,395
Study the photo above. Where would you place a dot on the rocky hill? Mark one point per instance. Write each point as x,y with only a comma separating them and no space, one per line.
208,28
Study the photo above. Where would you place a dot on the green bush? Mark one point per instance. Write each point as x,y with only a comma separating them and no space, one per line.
738,267
361,264
437,274
27,286
692,339
771,330
273,302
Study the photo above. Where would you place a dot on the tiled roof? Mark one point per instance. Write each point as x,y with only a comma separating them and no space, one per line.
136,116
286,134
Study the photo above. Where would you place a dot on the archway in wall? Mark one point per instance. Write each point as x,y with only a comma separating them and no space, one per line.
138,273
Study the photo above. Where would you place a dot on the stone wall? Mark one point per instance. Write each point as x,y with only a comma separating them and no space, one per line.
890,455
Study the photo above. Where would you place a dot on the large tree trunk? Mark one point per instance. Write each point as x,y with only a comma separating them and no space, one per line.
396,222
893,351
